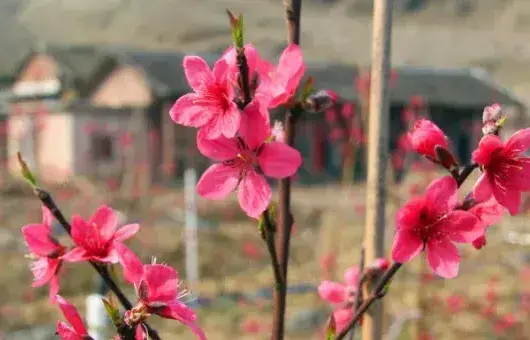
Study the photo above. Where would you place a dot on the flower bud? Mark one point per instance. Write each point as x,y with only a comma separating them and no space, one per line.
320,101
425,136
492,119
380,264
278,133
492,113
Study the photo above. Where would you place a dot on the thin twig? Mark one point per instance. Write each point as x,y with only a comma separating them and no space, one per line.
378,291
465,172
359,296
48,201
293,10
268,235
376,294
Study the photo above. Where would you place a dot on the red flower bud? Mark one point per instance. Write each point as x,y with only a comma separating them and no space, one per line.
425,136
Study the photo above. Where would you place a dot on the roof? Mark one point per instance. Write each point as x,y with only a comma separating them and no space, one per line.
465,87
163,69
87,66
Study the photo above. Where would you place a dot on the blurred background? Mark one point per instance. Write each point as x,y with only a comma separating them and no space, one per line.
85,90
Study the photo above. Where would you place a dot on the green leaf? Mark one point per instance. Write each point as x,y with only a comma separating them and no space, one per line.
331,329
26,172
113,312
237,29
307,88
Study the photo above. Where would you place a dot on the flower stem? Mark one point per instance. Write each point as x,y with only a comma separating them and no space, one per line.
359,296
293,10
48,201
377,293
268,236
464,173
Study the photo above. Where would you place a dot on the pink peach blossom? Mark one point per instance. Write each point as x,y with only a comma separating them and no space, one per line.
286,77
46,251
488,213
156,287
425,136
76,330
506,171
95,238
341,296
211,106
430,223
241,158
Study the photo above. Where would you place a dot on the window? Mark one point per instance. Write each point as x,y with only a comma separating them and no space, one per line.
102,147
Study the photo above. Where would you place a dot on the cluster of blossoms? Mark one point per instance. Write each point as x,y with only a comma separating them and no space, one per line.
235,127
99,241
436,220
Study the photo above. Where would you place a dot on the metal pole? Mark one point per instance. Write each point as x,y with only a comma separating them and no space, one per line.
378,130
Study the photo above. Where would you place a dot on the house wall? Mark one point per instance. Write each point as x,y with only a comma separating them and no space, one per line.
124,87
86,128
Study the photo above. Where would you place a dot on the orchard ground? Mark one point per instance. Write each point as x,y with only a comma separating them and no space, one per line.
329,220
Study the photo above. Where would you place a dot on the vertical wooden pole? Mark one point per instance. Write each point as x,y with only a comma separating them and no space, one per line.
378,129
168,144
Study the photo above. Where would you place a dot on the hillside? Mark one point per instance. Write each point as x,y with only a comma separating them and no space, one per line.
487,33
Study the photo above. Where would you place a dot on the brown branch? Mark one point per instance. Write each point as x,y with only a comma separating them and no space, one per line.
465,172
268,236
359,297
292,17
48,201
376,294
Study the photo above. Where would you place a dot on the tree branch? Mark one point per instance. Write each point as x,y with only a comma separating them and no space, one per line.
48,201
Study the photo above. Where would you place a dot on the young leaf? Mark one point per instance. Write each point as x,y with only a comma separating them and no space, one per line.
113,312
331,329
26,172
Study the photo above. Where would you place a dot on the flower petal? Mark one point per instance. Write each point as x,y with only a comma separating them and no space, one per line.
460,226
254,194
37,238
72,315
197,72
443,257
488,212
486,147
126,232
162,282
133,268
81,232
54,287
332,292
442,195
342,318
189,111
47,216
218,181
479,242
42,272
106,221
219,149
279,160
66,332
508,196
351,276
76,254
220,71
408,217
406,246
179,311
482,190
518,143
229,121
254,127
